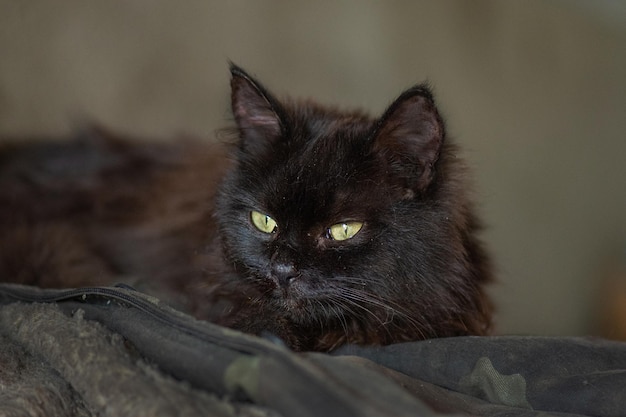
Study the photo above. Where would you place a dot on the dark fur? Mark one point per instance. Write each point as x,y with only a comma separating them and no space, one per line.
103,209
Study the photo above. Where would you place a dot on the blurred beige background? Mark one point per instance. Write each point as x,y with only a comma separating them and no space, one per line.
534,90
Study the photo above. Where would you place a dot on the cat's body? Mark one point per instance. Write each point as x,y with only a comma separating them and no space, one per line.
327,227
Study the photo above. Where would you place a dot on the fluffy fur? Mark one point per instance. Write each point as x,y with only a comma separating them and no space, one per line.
105,209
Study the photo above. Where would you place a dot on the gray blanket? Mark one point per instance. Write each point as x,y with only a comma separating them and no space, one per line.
116,352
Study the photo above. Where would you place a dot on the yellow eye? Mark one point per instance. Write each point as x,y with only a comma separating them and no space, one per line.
263,222
344,231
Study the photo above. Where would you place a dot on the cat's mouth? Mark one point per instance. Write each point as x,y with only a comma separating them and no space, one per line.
288,291
290,294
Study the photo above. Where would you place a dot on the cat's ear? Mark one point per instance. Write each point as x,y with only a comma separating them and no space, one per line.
409,137
257,113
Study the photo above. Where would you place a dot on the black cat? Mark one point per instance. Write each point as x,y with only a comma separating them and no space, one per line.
327,227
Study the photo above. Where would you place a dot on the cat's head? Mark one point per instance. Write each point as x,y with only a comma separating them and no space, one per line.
337,214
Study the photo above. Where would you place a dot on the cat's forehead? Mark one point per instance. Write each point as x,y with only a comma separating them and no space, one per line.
327,136
321,168
325,175
328,151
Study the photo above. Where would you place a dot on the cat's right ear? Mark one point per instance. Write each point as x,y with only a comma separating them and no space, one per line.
257,113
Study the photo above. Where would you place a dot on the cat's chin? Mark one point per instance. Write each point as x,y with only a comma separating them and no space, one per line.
291,305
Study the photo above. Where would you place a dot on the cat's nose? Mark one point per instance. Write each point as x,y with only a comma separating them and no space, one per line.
284,273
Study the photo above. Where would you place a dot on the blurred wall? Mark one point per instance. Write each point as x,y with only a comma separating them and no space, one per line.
535,91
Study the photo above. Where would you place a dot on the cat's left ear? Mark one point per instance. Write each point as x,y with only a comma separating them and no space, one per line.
257,113
409,136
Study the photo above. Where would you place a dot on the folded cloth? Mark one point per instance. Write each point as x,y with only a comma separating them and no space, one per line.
107,351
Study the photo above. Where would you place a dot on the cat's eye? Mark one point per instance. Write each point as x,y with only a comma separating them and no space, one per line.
344,231
263,222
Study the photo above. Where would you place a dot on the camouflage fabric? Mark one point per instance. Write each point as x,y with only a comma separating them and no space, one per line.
117,352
